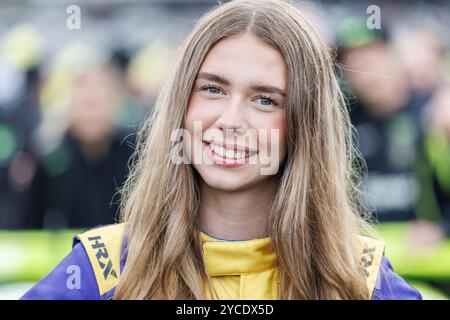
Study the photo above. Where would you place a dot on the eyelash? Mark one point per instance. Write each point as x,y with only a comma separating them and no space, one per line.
205,88
273,102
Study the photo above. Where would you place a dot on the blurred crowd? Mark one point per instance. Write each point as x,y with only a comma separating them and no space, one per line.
68,118
67,131
398,92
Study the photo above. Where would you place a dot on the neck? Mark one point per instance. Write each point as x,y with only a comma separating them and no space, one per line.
236,215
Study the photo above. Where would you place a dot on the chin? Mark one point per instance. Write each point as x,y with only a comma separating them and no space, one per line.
224,184
224,181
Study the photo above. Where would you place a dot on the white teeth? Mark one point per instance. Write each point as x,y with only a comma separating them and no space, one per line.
227,153
219,150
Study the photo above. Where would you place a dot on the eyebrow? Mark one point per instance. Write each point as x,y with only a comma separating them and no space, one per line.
256,87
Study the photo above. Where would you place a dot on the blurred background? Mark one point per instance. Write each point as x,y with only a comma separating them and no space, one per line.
77,78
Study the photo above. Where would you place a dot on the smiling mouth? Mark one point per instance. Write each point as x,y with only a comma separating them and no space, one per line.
229,153
227,156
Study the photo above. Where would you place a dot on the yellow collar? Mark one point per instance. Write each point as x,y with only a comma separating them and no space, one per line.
224,257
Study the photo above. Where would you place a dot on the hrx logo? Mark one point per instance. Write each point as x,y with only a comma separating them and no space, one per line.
102,257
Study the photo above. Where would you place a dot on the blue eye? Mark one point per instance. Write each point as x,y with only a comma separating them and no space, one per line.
211,89
265,101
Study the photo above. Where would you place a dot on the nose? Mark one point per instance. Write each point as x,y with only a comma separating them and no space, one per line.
234,117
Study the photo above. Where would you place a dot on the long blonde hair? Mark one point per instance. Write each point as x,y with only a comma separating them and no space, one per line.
313,218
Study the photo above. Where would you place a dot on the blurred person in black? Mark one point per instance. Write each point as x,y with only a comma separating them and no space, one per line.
378,95
389,129
433,163
75,183
421,53
135,107
20,62
18,118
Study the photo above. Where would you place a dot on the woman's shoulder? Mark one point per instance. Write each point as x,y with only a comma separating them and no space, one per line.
90,271
71,279
381,279
106,249
390,286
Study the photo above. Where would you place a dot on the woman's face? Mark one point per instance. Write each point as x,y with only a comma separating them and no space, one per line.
238,99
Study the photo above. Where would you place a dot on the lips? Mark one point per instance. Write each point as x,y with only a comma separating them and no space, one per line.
231,147
229,157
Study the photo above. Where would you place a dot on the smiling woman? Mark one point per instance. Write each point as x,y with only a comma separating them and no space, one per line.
238,93
259,79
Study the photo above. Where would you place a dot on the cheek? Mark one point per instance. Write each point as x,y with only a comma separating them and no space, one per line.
198,110
282,126
279,124
273,121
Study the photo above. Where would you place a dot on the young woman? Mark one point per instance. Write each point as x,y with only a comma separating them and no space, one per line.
254,199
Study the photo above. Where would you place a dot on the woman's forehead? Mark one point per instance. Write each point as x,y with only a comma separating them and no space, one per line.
246,58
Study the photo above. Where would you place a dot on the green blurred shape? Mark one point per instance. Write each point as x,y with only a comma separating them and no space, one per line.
353,32
428,292
30,255
57,161
8,142
431,263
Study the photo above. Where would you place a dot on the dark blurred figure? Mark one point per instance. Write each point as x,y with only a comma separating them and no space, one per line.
136,107
434,160
76,183
387,112
386,131
422,54
20,59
